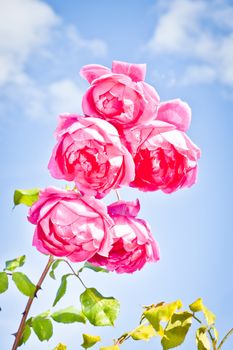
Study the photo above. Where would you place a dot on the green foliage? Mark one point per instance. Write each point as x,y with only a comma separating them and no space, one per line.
202,339
42,327
13,264
90,340
53,268
87,265
25,335
26,197
176,330
62,289
159,313
23,284
198,305
3,282
143,332
68,315
99,310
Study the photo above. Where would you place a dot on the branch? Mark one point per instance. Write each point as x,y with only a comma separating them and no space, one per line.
29,303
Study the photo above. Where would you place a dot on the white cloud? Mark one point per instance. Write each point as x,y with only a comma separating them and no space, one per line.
97,47
28,30
200,32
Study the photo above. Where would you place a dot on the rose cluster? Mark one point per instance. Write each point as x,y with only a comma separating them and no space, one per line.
125,137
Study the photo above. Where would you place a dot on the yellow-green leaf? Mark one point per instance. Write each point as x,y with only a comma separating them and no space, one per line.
176,330
53,268
23,284
42,327
164,312
99,310
143,332
90,340
25,335
62,289
198,305
13,264
60,346
3,282
113,347
68,315
27,197
202,339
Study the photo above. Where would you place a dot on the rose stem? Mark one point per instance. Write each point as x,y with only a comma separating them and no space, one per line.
29,303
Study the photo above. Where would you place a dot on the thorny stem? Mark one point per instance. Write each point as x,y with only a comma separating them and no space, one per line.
29,303
75,273
225,338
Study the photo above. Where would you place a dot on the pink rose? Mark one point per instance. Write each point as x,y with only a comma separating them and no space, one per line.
165,158
120,95
175,112
70,225
89,152
133,243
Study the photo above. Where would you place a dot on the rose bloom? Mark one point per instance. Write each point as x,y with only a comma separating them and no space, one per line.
165,158
119,95
133,243
90,152
70,225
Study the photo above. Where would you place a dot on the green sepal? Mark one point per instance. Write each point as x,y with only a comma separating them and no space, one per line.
99,310
3,282
24,284
13,264
26,197
62,288
68,315
42,327
87,265
90,340
176,330
53,268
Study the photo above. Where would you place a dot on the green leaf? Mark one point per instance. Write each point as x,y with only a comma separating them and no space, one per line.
198,305
164,312
68,315
143,332
42,327
3,282
62,289
60,346
27,197
99,310
23,284
87,265
113,347
90,340
53,268
202,339
13,264
25,335
176,330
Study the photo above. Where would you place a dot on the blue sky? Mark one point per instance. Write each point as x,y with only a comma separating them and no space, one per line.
188,48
